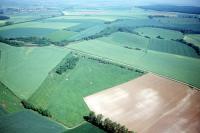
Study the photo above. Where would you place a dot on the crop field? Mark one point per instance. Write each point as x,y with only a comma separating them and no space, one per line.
28,122
8,101
167,101
172,47
126,39
58,25
25,32
61,35
89,76
32,64
163,33
133,41
54,54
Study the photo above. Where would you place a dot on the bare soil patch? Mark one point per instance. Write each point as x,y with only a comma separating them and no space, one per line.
150,104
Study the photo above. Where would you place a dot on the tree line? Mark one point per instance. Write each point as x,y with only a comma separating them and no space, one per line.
4,17
41,111
196,48
115,64
11,42
106,124
40,41
66,64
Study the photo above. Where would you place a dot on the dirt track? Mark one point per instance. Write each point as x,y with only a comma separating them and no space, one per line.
150,104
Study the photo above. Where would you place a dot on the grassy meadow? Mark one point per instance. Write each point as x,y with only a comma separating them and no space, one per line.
23,69
28,122
88,77
9,102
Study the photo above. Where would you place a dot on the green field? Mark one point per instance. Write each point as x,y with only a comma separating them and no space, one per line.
28,122
25,32
42,24
172,47
23,69
8,101
126,39
112,46
161,45
61,35
181,68
2,111
86,78
155,32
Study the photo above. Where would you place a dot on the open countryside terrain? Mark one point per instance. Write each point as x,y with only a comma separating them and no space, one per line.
88,76
62,59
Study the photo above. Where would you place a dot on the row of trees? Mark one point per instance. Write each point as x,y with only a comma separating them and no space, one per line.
41,111
40,41
108,31
196,48
68,63
106,124
115,64
132,48
4,17
11,42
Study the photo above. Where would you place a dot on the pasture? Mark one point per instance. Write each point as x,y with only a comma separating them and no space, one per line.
126,39
172,47
149,104
9,102
88,77
61,35
23,69
41,24
28,122
163,33
25,32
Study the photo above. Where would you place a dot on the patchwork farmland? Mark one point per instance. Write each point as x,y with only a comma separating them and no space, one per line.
59,62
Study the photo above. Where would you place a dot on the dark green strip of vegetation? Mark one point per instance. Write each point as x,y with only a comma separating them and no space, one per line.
115,64
4,17
132,48
41,111
11,42
106,124
196,48
40,41
68,63
108,31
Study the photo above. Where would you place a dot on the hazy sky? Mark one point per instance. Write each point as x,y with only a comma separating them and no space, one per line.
176,2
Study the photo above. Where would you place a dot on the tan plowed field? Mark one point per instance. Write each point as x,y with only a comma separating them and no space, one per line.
150,104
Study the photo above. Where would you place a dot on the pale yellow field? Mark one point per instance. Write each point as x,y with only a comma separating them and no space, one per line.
150,104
